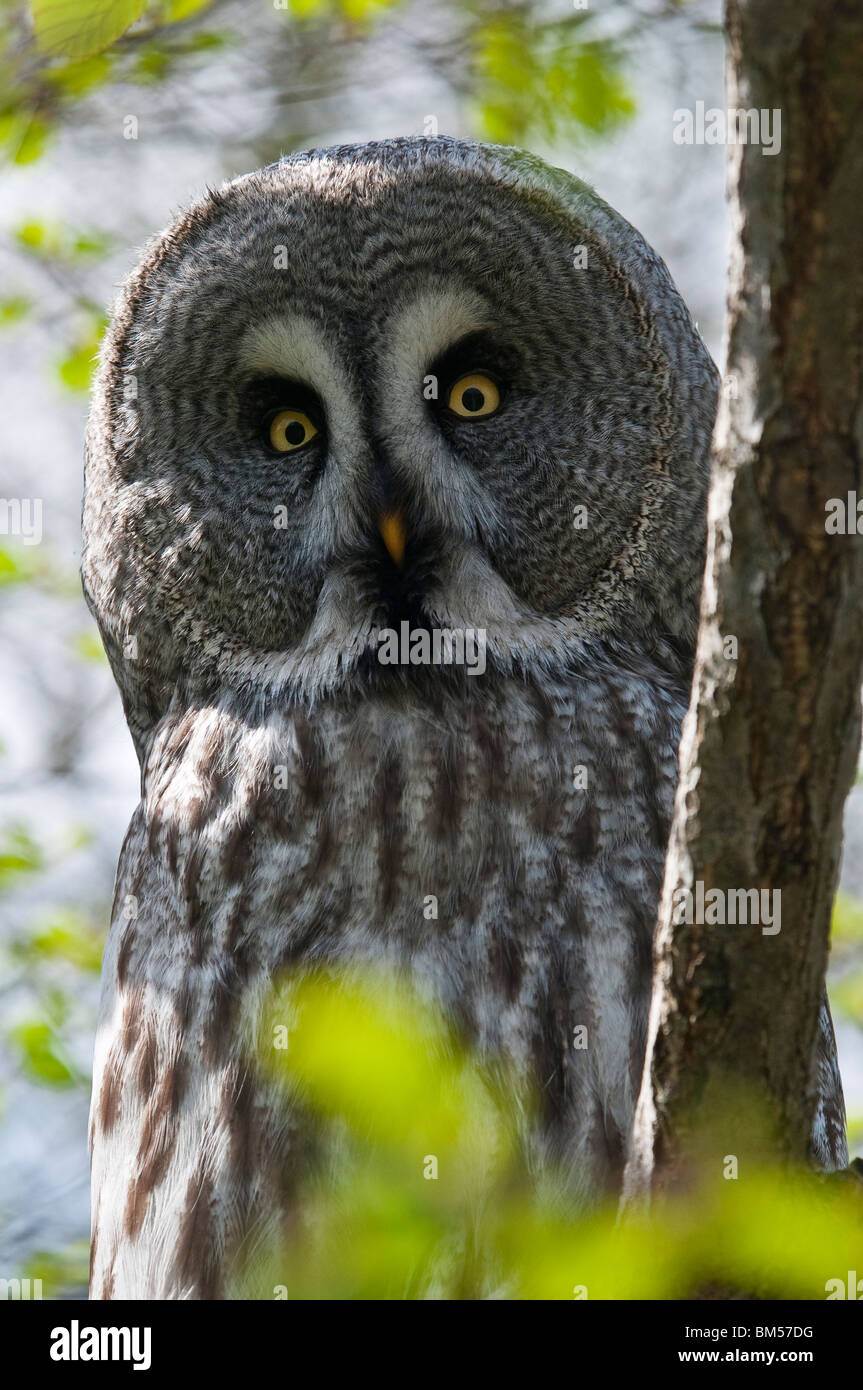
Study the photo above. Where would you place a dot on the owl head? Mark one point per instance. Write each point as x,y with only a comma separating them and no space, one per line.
421,379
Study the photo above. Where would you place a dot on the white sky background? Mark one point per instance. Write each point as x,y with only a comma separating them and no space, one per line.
93,178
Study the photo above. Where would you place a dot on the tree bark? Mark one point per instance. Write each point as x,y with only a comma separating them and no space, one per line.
770,743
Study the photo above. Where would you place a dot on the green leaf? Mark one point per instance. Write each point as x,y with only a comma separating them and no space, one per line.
54,240
360,10
70,938
204,43
371,1051
847,995
304,9
12,571
76,78
87,244
544,79
76,369
31,234
847,923
60,1270
173,11
33,141
88,646
19,854
23,135
13,309
36,236
153,64
389,1087
38,1047
79,28
30,565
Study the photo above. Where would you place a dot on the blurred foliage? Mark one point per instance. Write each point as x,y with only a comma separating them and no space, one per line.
13,309
59,250
88,645
55,53
61,244
846,930
34,566
80,28
358,12
529,74
19,854
44,965
385,1084
78,363
63,1272
847,955
67,937
521,74
425,1190
41,1050
536,80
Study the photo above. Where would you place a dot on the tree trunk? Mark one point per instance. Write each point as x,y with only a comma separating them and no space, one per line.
770,742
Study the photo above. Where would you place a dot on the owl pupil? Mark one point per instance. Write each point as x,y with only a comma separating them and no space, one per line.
295,433
473,399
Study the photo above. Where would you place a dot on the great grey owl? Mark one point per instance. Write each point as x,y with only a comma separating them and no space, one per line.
419,382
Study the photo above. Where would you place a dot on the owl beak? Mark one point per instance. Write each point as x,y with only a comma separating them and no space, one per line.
394,531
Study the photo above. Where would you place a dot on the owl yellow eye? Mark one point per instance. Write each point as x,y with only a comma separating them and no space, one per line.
473,396
291,429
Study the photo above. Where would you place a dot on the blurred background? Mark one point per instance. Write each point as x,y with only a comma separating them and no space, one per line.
104,136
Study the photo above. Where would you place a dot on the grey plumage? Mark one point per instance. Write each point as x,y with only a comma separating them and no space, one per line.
240,646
